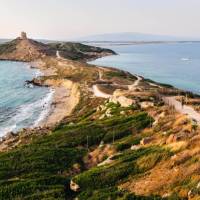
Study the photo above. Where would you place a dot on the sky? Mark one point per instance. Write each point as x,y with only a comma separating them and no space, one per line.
68,19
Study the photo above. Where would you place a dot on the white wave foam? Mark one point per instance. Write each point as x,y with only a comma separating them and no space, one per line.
185,59
38,73
5,130
47,105
26,111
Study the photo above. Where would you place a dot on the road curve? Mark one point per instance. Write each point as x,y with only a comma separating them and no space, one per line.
135,84
187,110
99,93
58,55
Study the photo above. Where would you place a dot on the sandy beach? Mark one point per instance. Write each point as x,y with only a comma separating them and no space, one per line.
65,97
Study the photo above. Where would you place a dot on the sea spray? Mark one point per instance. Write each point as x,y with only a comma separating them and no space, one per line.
27,111
46,108
21,106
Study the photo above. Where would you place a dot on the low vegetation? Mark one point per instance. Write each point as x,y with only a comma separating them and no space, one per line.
7,47
78,51
142,151
46,165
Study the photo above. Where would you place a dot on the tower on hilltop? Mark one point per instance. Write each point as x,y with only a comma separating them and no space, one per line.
23,36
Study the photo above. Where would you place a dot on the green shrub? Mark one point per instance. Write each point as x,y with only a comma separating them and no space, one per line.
128,163
39,170
112,193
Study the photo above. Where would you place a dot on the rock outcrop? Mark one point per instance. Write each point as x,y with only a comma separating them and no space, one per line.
122,100
74,186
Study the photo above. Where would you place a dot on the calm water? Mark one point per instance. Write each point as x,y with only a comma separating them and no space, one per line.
20,106
177,64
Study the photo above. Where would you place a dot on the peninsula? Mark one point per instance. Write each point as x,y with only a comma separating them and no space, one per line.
109,135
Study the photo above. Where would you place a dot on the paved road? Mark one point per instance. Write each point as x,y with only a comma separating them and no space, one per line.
192,114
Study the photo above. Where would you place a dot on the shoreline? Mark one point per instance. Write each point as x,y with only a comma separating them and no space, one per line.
48,99
65,95
39,122
39,105
64,99
59,102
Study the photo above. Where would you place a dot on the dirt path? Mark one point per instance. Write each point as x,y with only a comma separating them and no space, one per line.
189,111
98,93
135,84
58,55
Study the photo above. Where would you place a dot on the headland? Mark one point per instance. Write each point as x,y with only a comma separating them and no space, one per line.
110,134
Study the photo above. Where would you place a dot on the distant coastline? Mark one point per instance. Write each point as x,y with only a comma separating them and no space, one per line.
119,43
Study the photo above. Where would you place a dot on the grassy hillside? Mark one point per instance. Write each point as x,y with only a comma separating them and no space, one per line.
78,51
132,146
8,47
43,169
29,50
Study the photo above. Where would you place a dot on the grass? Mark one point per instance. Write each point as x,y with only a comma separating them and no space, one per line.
36,167
8,47
41,170
126,164
119,74
78,51
112,193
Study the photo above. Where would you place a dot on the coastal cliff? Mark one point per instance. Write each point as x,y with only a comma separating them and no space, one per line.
110,135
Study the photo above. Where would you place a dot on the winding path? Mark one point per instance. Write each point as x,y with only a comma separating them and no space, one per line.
98,93
135,84
189,111
58,55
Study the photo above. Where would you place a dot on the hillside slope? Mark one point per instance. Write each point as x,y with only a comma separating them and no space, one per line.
78,51
128,145
24,49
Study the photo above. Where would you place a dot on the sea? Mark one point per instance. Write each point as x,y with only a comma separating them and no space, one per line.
22,105
175,63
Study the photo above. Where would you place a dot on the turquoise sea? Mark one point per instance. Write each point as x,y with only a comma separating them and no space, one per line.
177,64
21,105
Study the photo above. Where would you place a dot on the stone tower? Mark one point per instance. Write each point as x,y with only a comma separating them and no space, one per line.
23,36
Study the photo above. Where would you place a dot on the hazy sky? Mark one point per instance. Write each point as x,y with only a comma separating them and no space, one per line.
64,19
